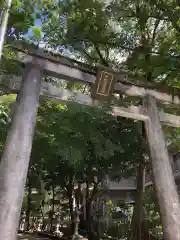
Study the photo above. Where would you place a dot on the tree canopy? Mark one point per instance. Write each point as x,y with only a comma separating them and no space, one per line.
139,37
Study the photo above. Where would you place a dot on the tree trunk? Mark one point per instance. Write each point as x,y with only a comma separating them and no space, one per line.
29,207
137,219
77,211
76,222
3,23
87,200
52,212
88,213
17,150
43,220
162,173
70,197
78,196
89,221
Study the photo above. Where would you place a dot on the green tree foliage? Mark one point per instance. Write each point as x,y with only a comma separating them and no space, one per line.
6,105
151,210
22,17
82,135
139,37
77,144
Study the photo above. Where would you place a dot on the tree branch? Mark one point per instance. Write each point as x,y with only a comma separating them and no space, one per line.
104,62
88,55
155,30
94,191
116,44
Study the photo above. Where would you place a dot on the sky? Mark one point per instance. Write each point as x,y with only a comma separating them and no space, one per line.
37,24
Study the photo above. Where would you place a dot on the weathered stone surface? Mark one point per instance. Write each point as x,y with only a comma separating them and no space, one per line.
30,237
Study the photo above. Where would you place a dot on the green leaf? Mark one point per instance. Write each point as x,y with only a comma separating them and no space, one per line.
36,31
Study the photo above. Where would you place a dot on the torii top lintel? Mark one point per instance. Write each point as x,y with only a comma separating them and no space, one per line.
69,69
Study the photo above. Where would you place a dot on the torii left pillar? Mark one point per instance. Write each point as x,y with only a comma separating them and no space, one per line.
15,159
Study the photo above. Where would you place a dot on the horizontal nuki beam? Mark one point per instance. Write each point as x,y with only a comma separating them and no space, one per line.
62,68
53,93
133,112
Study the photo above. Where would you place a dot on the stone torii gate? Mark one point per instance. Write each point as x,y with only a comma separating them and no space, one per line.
15,159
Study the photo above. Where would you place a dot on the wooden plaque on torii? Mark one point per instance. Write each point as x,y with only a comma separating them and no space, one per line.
103,87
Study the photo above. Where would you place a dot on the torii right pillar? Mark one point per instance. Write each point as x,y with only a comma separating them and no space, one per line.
162,172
